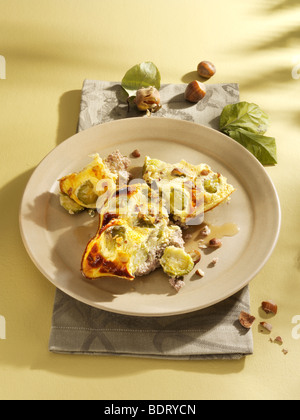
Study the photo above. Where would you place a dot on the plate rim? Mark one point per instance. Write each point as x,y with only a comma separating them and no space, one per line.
243,150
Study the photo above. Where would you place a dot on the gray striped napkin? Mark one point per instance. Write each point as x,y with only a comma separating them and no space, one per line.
212,333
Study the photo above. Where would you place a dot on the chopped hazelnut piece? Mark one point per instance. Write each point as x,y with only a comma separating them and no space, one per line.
215,261
285,351
278,340
196,256
270,307
205,172
177,172
188,236
215,243
205,231
246,320
266,326
200,273
136,153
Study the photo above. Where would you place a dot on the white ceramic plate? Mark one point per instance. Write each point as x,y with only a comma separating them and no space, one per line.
56,241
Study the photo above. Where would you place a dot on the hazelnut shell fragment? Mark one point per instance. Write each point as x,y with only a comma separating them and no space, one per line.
246,320
269,307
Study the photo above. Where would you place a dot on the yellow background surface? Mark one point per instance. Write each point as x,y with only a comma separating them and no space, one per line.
50,47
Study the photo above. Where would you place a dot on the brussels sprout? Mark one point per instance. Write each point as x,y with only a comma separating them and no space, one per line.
118,231
144,221
211,186
86,194
70,205
176,262
113,238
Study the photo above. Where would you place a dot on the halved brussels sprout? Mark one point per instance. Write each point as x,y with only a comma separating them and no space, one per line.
176,262
117,231
70,205
211,186
145,221
86,193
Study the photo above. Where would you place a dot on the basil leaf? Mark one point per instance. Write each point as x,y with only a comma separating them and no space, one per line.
244,115
262,147
142,75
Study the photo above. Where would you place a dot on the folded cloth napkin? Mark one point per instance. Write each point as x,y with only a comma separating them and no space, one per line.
212,333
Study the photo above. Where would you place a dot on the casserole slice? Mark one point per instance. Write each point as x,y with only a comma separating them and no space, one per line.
209,189
80,191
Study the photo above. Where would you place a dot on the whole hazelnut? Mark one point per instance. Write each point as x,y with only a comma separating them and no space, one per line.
195,91
206,69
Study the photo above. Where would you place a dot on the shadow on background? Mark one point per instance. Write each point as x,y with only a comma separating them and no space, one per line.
25,317
275,40
68,109
280,37
281,5
264,80
191,76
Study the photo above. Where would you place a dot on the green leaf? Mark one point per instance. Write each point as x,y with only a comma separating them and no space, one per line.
142,75
244,115
262,147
